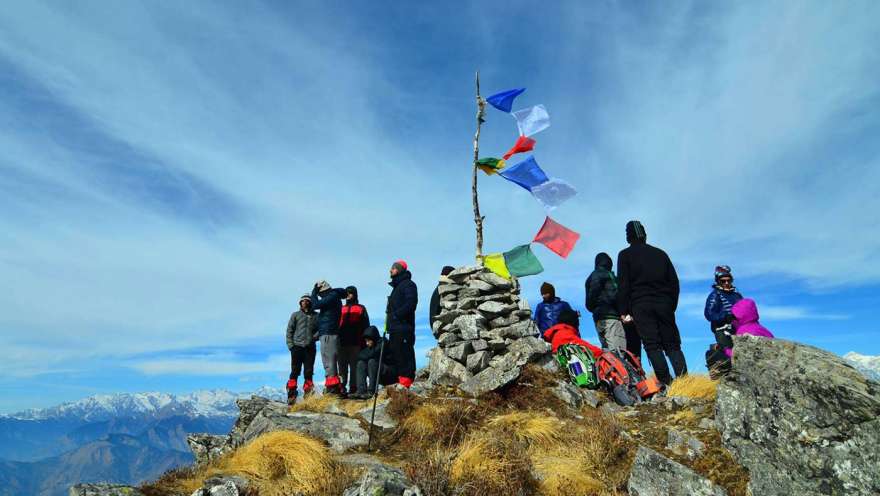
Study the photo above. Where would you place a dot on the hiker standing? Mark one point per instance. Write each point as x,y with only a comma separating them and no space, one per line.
368,366
329,302
302,332
719,303
353,321
434,306
648,293
601,300
401,321
547,312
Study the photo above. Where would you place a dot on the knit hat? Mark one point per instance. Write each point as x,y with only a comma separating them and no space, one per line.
722,271
353,291
446,270
400,265
635,232
323,285
548,288
569,317
305,297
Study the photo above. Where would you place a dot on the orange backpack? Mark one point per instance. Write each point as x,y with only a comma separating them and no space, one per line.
622,373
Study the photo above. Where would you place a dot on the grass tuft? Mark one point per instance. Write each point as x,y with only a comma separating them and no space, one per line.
698,386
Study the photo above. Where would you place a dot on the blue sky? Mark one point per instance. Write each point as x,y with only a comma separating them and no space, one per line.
173,175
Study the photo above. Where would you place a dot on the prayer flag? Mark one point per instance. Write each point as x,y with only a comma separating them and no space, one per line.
553,193
532,120
495,263
521,262
558,238
526,173
504,100
523,144
490,165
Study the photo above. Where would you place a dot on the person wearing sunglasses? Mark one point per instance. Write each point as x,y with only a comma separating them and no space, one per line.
719,304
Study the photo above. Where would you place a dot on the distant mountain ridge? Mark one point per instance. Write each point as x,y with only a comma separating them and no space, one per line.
866,364
208,403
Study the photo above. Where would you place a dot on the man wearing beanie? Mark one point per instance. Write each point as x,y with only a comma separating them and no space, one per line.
329,302
400,321
648,293
302,332
434,307
547,312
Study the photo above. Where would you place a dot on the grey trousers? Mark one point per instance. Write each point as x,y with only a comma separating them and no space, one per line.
363,369
330,354
611,334
347,360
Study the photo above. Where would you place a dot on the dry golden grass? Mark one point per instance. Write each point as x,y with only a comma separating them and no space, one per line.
535,429
314,403
476,459
698,386
440,422
277,464
565,476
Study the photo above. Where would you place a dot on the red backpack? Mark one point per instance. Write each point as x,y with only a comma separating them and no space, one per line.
622,373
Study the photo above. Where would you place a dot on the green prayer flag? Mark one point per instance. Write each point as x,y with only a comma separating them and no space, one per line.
490,165
522,262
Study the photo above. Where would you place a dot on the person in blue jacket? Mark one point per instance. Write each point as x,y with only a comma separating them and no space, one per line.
722,298
547,312
328,301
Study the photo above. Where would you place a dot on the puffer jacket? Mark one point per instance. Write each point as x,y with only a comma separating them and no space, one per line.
302,329
402,302
718,306
547,314
352,321
562,334
601,290
368,353
330,305
745,321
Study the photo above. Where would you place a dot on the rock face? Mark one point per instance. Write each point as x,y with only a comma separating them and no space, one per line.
103,489
800,419
484,332
223,486
207,447
381,479
655,475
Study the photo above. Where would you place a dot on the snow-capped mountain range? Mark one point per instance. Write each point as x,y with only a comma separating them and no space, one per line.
207,403
866,364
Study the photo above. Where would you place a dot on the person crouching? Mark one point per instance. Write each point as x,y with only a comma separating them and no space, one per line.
370,372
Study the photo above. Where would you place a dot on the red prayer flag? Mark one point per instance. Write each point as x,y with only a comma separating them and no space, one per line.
523,144
558,238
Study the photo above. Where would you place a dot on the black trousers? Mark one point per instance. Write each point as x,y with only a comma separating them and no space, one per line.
633,341
403,351
655,322
369,369
302,358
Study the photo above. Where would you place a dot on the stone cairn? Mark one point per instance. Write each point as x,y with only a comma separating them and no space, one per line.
484,332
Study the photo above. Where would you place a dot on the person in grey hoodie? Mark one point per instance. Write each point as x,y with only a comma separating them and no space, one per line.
302,332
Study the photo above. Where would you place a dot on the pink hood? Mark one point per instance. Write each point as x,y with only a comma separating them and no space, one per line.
745,314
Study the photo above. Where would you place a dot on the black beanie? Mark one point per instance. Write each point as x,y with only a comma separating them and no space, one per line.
446,270
569,317
548,288
635,232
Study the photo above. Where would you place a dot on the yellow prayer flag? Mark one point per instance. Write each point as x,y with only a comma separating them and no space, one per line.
495,263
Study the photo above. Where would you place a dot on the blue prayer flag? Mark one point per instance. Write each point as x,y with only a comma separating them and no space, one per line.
504,101
526,173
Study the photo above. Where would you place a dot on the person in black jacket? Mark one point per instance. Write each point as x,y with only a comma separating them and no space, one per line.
352,323
434,307
401,321
648,294
601,300
368,366
329,302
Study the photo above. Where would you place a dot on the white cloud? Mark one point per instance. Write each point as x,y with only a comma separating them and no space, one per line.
211,364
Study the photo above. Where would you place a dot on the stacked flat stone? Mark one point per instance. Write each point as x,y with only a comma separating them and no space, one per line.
484,331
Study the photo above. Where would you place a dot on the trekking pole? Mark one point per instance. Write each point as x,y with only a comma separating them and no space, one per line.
376,387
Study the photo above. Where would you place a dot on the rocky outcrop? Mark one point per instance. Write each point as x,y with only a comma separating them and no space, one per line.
223,486
207,447
655,475
484,332
800,419
103,489
378,478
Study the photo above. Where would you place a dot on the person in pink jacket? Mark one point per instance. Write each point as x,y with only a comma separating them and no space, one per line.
745,321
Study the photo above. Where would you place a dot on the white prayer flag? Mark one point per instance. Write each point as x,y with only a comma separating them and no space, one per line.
553,193
532,120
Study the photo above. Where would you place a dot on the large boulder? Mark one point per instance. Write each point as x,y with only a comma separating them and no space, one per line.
340,433
800,419
380,479
653,474
207,447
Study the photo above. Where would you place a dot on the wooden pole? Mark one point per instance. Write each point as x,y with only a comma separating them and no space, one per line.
478,219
